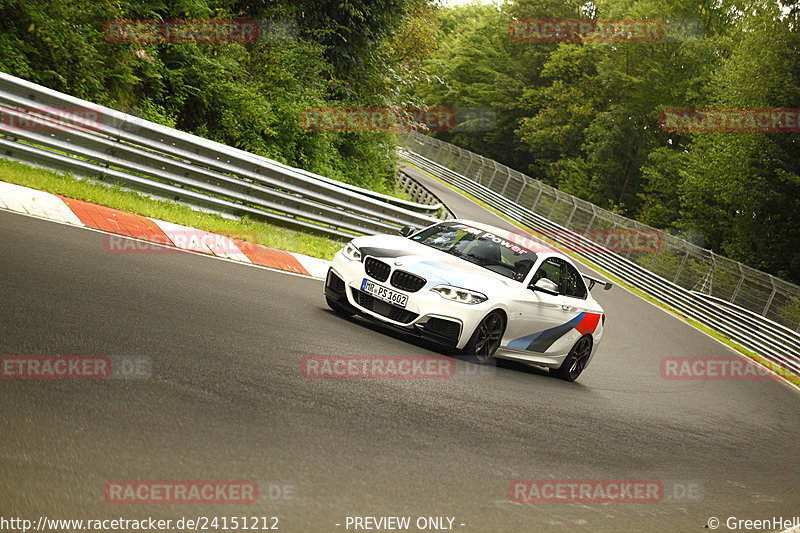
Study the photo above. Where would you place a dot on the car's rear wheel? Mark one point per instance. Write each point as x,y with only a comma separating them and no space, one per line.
338,308
576,360
486,339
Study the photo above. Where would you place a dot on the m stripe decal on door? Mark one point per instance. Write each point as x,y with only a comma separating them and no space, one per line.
541,341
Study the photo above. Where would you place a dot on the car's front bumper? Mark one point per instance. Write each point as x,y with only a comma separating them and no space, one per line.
425,315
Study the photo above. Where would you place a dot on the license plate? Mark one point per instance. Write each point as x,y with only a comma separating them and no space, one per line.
384,293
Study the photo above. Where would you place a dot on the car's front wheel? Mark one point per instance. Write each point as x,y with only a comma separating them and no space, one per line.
486,339
576,360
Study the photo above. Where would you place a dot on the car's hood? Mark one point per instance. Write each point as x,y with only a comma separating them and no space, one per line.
433,265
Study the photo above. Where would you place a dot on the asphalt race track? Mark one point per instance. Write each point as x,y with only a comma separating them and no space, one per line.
226,400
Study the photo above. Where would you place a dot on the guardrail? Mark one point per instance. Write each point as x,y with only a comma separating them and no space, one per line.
773,342
57,131
684,263
421,194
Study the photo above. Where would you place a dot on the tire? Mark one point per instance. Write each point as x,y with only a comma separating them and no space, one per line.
338,308
576,360
486,338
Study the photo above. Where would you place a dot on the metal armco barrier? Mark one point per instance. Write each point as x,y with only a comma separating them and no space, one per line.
684,263
51,129
772,341
420,193
156,159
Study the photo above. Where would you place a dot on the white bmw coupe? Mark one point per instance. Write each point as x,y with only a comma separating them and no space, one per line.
475,288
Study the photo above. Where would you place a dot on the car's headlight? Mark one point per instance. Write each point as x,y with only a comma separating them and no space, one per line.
457,294
351,252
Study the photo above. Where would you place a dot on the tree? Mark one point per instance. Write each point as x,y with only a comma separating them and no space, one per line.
742,189
247,95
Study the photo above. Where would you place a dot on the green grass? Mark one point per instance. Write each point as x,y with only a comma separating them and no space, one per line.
711,332
132,202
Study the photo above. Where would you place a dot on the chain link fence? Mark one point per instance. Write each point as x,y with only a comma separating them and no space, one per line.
674,259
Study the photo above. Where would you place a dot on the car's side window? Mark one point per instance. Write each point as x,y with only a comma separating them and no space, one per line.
550,269
573,284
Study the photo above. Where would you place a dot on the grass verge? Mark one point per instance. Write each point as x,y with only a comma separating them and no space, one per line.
705,329
132,202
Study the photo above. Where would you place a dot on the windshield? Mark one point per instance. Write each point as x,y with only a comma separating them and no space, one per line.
481,248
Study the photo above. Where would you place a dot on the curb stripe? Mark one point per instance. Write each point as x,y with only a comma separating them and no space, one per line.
115,221
37,203
271,257
315,266
79,213
201,241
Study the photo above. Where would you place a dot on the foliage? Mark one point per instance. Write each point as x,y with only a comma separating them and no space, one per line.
585,116
581,116
248,95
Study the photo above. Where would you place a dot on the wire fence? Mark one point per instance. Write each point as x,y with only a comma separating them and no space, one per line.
671,257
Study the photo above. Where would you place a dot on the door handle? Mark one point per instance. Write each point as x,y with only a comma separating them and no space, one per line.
566,307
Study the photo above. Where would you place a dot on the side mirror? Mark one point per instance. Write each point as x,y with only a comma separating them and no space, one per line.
405,231
546,286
